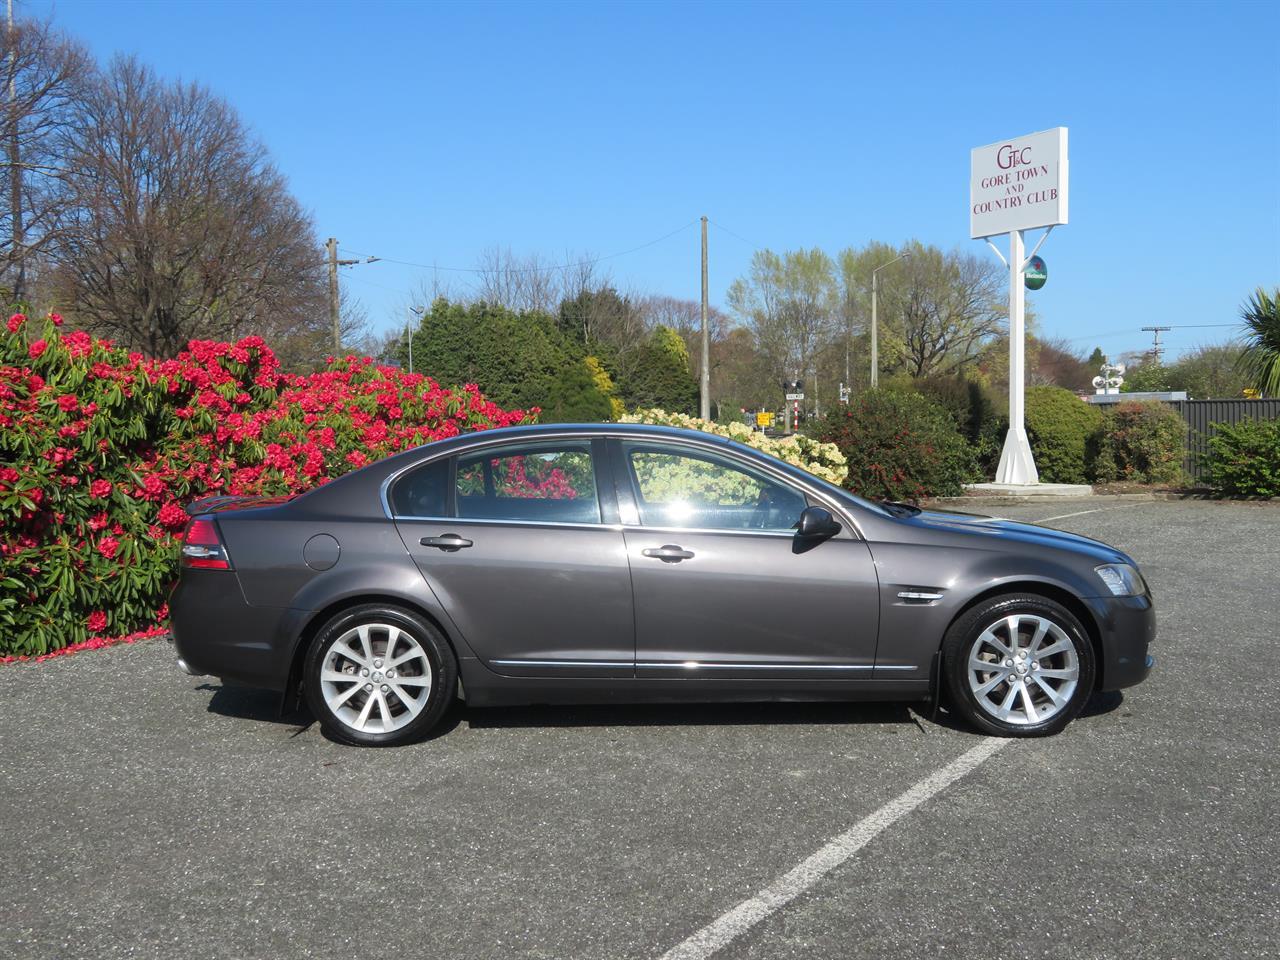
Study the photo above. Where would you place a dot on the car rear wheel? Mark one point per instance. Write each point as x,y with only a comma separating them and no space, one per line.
379,676
1019,665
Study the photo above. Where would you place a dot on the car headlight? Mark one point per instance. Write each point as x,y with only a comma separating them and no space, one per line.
1121,579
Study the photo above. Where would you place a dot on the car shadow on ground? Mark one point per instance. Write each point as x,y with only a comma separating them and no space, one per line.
252,703
686,714
249,703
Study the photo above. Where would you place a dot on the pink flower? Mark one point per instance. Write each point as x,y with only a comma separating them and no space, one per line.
96,622
16,321
68,402
108,546
36,348
100,489
172,516
56,318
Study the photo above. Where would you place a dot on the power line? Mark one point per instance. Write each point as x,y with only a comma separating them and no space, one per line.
539,268
737,236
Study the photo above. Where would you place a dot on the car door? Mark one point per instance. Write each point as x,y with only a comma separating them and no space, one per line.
723,588
512,539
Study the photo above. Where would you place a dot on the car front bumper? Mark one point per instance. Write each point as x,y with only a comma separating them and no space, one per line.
1127,628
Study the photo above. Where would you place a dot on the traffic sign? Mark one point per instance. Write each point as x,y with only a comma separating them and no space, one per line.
795,396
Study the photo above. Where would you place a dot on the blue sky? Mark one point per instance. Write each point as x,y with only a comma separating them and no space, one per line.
428,133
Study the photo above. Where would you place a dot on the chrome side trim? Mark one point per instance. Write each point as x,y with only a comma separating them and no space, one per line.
890,666
695,665
919,595
481,521
733,531
689,665
564,663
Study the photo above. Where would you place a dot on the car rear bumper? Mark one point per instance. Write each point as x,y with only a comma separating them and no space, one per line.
1127,627
217,633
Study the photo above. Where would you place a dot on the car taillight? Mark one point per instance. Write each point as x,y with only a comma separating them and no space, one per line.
203,548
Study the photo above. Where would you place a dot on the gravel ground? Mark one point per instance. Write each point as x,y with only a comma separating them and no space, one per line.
149,814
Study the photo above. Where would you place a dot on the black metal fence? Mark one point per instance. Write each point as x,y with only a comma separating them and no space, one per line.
1199,414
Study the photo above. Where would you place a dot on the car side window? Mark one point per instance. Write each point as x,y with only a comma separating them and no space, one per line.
548,482
681,488
422,492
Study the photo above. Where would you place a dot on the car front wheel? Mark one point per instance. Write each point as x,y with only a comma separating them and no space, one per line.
379,676
1019,665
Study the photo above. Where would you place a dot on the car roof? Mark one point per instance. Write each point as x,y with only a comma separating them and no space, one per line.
589,429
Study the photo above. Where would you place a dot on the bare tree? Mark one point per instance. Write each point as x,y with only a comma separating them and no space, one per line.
685,318
790,303
179,225
44,74
950,307
518,283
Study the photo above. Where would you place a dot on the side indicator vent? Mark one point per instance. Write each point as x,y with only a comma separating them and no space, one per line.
920,597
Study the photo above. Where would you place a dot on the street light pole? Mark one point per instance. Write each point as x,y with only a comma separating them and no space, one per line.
875,325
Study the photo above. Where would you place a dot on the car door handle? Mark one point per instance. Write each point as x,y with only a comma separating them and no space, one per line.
668,553
449,541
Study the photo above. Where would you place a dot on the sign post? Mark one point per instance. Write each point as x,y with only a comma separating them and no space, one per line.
794,394
1018,185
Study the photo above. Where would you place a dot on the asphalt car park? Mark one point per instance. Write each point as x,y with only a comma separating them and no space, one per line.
151,814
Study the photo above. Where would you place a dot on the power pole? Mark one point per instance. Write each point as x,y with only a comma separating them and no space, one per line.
1156,350
704,409
333,295
334,264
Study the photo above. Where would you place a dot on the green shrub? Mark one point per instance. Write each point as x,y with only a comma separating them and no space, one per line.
659,374
1244,459
1142,443
989,443
573,396
1060,426
977,412
899,445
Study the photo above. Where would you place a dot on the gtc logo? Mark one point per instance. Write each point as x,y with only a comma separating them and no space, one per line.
1008,157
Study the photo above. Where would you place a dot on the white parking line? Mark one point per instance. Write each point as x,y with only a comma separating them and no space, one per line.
1081,513
790,885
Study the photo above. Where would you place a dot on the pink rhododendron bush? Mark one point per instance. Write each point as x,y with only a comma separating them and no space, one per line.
101,448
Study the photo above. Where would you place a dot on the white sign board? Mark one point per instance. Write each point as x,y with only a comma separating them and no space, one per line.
1018,184
795,396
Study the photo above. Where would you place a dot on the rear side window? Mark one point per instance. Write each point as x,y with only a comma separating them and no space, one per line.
422,492
551,483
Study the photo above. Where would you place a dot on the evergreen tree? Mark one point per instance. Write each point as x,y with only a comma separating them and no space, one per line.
660,374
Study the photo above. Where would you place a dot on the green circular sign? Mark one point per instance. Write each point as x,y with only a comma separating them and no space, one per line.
1036,273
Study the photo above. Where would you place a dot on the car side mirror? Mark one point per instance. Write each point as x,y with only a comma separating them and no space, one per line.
817,522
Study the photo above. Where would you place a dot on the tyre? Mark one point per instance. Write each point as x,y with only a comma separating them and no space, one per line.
1018,665
379,676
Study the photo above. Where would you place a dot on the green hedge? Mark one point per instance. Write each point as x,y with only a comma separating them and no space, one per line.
1062,429
1244,459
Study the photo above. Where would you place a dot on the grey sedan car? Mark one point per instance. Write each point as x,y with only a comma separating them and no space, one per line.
610,563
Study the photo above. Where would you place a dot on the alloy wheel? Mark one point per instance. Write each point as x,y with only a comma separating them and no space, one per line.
375,678
1023,669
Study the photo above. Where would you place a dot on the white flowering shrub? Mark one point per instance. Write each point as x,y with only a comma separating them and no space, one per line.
823,460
